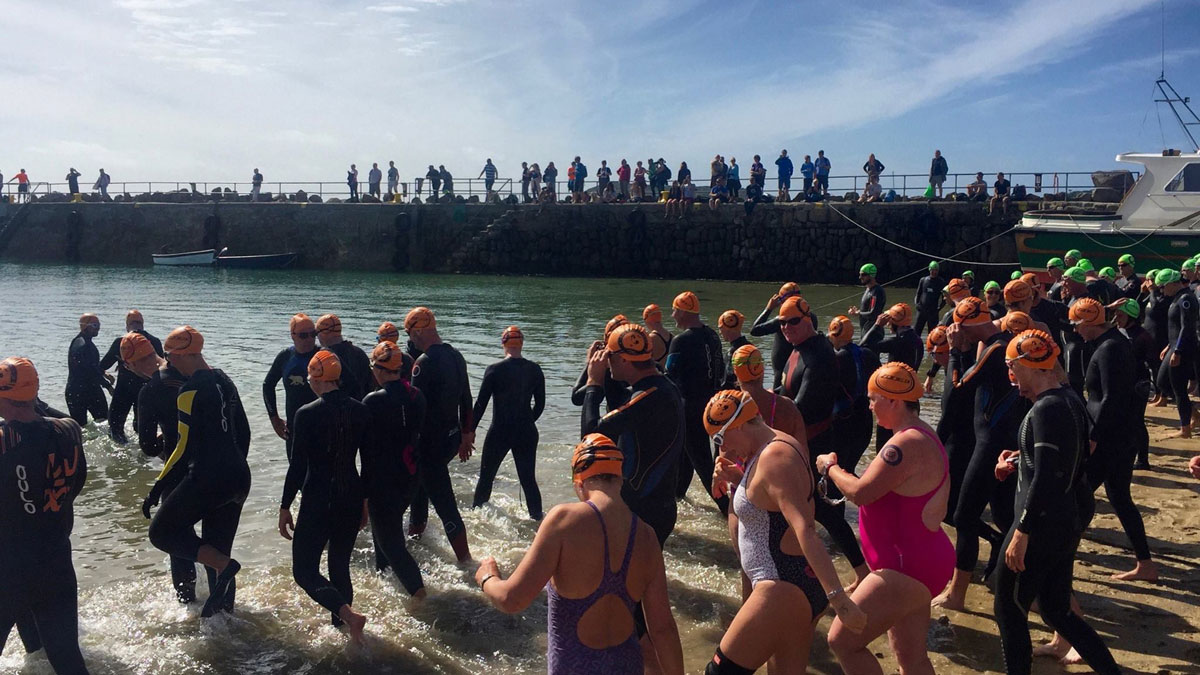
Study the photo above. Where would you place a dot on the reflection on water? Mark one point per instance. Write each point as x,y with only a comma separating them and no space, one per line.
129,618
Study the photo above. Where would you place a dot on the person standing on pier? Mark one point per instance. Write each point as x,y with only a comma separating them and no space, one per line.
623,172
374,178
938,170
785,175
447,181
352,182
393,176
823,166
807,170
73,182
256,186
603,177
125,394
873,168
488,174
733,179
22,179
102,184
435,181
758,173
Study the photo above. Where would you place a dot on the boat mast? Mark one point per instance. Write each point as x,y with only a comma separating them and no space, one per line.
1169,95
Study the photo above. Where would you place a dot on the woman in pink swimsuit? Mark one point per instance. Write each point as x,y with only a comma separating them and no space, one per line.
902,500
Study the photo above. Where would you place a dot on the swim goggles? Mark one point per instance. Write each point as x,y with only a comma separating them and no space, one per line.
718,438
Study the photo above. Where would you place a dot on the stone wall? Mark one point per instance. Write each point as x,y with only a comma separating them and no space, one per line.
787,241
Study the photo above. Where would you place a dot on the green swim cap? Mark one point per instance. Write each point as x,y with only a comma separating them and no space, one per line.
1055,262
969,273
1108,273
1165,277
1125,260
1073,253
1150,274
1130,307
1189,264
869,269
991,286
1015,275
1076,274
934,265
1085,265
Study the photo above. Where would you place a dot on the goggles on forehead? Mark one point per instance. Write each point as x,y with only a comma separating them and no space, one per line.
719,437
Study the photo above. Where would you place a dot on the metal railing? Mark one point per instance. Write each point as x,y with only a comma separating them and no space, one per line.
905,185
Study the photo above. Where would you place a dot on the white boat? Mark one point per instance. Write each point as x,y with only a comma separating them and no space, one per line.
189,259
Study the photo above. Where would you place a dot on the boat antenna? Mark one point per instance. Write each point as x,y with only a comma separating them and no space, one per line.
1187,118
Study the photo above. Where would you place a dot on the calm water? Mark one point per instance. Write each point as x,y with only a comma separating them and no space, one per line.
130,621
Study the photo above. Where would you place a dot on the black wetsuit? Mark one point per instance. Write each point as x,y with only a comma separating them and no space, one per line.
158,434
515,383
441,375
956,426
815,382
781,349
1111,404
696,364
872,304
853,420
1054,293
214,439
389,472
329,434
1074,359
1053,444
85,381
356,380
730,376
44,470
1129,287
129,383
616,393
1145,369
903,345
1181,340
291,367
1054,315
928,302
998,410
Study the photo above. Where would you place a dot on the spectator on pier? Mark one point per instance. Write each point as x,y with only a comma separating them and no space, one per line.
393,178
662,172
719,194
603,176
872,192
754,195
807,171
684,173
255,185
535,180
73,182
689,196
733,179
550,177
581,174
674,204
609,194
102,184
758,173
623,172
374,178
872,167
352,181
1001,194
813,193
571,180
823,166
716,170
22,185
447,181
525,182
977,190
938,170
639,182
1,183
435,181
785,175
488,174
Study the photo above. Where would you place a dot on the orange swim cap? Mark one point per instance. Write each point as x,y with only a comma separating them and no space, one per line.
88,319
329,323
387,332
793,308
937,342
613,324
1016,322
419,318
897,381
732,319
790,288
686,302
971,311
183,341
651,310
596,455
900,314
631,342
1031,279
1034,349
747,363
512,334
1086,312
728,409
135,346
324,366
957,289
1017,290
134,315
18,379
301,323
388,356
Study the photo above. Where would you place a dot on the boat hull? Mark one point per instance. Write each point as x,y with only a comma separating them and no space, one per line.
1151,250
188,259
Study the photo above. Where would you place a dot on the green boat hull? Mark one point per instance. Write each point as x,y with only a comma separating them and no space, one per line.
1155,251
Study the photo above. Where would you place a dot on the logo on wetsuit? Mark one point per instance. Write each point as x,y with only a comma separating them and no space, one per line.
57,474
23,486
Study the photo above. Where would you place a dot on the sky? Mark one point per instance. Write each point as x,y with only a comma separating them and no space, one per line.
195,90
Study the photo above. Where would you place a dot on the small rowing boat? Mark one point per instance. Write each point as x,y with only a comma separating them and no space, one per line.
188,259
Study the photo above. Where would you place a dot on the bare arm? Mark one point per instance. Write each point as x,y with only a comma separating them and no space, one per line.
517,592
884,474
660,622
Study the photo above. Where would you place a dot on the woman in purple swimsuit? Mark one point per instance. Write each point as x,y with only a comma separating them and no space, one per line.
597,561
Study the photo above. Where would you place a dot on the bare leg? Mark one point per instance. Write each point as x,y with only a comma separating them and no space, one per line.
1146,570
955,595
355,623
890,600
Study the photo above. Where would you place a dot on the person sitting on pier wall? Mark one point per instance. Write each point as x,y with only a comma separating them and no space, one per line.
872,192
1001,196
674,201
977,190
812,192
718,195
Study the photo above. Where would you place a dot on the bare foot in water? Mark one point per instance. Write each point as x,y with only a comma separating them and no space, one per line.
1057,648
1072,658
1146,570
355,623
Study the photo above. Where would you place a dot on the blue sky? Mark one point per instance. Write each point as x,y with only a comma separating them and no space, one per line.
195,90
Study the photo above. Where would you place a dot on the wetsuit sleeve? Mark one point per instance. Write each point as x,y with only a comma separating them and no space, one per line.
147,424
46,410
302,440
539,392
485,395
112,357
465,418
580,386
920,293
185,405
1116,383
241,426
1186,341
676,356
274,375
765,324
1050,473
815,399
875,340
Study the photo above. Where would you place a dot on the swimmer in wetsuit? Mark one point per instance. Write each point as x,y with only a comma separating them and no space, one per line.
214,438
516,383
616,393
696,365
45,469
330,431
928,300
1145,366
1180,352
356,367
767,323
291,367
954,292
125,393
853,422
441,375
389,460
904,345
793,577
874,299
1040,547
86,380
902,498
660,337
730,326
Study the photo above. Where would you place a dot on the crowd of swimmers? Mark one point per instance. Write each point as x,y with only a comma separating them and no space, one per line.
1046,379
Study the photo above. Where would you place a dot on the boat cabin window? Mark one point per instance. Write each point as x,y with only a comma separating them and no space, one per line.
1187,180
